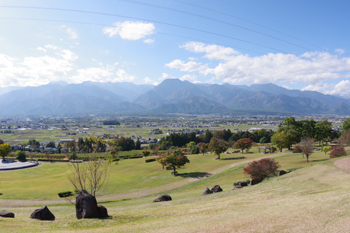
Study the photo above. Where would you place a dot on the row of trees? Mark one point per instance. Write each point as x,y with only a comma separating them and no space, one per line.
292,132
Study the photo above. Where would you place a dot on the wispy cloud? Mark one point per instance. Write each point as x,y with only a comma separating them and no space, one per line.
129,30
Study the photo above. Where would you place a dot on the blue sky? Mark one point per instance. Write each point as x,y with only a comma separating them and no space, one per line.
296,44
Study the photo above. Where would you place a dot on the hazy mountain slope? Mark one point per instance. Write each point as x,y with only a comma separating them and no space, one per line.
192,105
277,90
63,99
169,91
128,91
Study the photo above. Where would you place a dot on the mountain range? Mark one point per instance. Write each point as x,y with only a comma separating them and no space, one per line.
170,96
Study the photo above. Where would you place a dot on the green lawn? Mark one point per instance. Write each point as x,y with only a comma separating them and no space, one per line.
133,178
312,199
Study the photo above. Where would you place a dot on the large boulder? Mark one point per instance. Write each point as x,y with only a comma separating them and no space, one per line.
216,189
43,214
7,214
164,197
242,183
207,191
238,186
85,205
282,172
102,211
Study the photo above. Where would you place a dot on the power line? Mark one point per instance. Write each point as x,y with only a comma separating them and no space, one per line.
216,20
248,21
137,18
105,25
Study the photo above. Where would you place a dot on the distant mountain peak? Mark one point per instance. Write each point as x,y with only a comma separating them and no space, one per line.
62,83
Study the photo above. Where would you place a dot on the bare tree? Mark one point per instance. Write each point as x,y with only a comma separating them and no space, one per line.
307,147
91,175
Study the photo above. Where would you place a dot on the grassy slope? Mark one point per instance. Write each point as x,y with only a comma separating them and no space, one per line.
312,199
130,178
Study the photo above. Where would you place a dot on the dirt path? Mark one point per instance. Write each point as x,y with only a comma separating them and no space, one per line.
343,164
136,194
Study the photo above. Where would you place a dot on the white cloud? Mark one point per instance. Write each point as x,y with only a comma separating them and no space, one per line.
148,41
189,77
340,51
95,74
211,51
129,30
72,33
32,71
190,66
287,87
165,75
308,68
342,88
122,76
41,49
147,80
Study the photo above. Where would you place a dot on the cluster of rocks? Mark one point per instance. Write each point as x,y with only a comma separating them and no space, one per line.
215,189
242,184
85,206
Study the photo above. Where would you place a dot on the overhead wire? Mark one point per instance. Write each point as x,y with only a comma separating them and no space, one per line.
216,20
245,20
105,25
138,18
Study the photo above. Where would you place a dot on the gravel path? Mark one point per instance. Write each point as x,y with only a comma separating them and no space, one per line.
343,164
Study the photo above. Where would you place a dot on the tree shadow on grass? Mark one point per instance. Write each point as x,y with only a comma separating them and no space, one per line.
194,174
233,158
318,160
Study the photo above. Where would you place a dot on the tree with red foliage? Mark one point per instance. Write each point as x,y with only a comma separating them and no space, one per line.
1,141
345,138
337,151
203,147
243,144
258,170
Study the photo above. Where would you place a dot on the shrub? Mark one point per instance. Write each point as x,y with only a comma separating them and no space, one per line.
195,150
259,170
65,194
150,160
337,151
298,149
73,156
21,156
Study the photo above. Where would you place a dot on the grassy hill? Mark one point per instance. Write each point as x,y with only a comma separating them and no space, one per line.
311,199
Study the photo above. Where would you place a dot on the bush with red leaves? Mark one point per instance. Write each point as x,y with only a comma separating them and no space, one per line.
337,151
298,149
258,170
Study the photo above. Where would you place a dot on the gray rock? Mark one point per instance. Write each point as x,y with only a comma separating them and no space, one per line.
207,191
216,189
164,197
7,214
238,186
43,214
